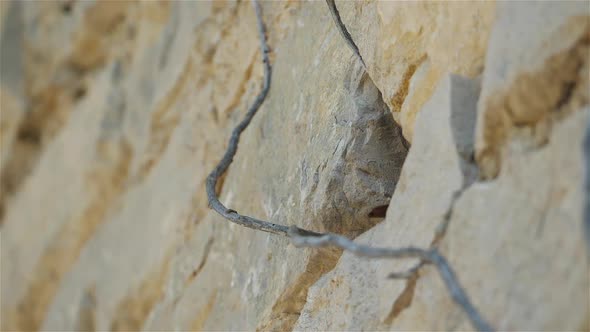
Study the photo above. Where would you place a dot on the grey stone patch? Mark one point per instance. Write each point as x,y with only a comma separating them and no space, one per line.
464,94
368,156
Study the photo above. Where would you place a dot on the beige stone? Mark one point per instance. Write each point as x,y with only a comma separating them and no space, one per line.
509,238
113,113
152,122
323,156
410,46
357,294
524,268
536,71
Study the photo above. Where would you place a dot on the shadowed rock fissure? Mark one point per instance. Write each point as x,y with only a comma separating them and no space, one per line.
362,175
355,165
361,178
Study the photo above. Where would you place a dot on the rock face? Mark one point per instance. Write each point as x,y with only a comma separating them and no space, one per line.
428,194
113,114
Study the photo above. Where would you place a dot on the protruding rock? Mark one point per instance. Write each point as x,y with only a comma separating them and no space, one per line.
352,297
516,244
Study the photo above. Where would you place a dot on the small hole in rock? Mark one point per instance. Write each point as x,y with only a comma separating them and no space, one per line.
79,92
29,134
379,212
66,8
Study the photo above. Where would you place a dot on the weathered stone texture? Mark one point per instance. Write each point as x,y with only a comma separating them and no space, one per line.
518,244
114,112
409,46
536,73
431,175
516,240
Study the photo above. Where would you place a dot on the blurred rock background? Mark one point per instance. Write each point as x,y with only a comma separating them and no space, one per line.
114,112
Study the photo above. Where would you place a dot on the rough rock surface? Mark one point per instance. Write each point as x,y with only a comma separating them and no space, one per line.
410,46
532,78
113,113
431,176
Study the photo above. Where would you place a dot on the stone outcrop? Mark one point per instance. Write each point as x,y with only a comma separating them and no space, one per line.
431,176
113,114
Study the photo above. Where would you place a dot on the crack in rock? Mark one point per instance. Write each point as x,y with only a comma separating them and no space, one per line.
464,95
354,187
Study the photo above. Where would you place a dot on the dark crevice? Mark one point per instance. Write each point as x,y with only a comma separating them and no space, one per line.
286,310
79,92
375,150
28,133
379,212
66,8
566,94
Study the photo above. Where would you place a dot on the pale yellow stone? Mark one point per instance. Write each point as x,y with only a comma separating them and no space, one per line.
121,109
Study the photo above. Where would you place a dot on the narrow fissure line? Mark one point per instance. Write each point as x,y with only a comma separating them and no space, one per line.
412,274
204,259
343,31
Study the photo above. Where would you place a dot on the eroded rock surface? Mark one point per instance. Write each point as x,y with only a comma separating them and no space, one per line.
431,176
410,46
516,241
113,114
536,73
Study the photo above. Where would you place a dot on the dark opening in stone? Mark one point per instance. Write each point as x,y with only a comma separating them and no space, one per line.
66,8
379,212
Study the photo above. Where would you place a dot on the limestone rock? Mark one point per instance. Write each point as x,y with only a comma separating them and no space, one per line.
525,268
410,46
323,157
515,241
536,72
586,151
82,209
114,112
152,123
431,175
